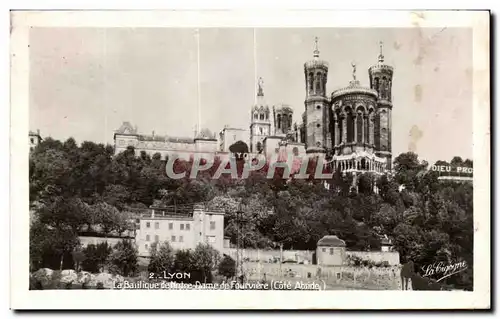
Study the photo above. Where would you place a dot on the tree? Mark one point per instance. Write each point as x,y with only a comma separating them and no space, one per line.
184,263
78,257
123,259
406,167
109,218
162,258
206,259
96,257
227,267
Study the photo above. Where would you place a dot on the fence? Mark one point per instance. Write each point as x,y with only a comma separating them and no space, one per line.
335,277
272,255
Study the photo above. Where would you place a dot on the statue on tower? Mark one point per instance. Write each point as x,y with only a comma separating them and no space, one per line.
381,55
316,50
261,85
353,64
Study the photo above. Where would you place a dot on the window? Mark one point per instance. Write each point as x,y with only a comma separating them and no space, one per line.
188,226
211,239
331,251
173,238
157,225
170,225
212,225
181,239
318,125
148,225
146,246
318,107
324,250
259,147
157,238
182,226
32,140
147,237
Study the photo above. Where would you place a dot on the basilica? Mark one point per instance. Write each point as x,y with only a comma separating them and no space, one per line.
349,127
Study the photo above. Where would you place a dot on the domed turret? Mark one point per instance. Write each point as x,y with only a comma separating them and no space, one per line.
283,119
316,103
260,123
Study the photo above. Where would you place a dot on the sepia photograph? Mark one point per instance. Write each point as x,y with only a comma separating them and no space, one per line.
204,159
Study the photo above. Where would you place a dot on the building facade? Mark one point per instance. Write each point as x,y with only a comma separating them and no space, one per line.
182,228
204,142
34,139
351,126
330,251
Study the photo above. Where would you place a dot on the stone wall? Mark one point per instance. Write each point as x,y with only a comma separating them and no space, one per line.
306,256
336,277
272,255
87,240
392,257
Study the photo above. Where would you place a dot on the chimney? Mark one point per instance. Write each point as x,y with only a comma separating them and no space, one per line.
152,213
38,131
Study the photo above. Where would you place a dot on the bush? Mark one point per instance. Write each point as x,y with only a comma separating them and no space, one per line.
96,257
162,259
206,259
123,259
227,267
184,263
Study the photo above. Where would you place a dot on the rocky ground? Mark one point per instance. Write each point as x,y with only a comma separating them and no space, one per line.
46,278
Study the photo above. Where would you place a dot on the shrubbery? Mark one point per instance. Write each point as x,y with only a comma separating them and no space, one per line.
76,187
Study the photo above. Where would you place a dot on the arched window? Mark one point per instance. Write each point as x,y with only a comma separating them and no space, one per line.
261,116
260,129
359,128
383,88
341,128
259,147
318,83
279,121
311,80
376,84
367,129
255,116
350,128
363,164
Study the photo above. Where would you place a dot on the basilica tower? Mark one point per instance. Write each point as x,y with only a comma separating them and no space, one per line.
316,104
260,123
381,81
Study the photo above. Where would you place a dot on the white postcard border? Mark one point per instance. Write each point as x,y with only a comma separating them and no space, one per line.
22,298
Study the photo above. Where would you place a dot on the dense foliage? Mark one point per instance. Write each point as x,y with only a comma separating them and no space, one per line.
77,188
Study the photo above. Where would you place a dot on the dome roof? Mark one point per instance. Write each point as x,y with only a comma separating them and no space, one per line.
205,133
316,63
354,88
260,108
283,108
331,241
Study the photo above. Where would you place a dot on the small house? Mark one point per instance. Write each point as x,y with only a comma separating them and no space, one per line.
330,251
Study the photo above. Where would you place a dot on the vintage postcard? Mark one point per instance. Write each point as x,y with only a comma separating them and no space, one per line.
239,160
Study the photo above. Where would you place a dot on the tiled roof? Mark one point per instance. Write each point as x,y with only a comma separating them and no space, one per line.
126,128
332,241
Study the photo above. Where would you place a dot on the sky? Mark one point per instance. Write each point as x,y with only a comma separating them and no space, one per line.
84,82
